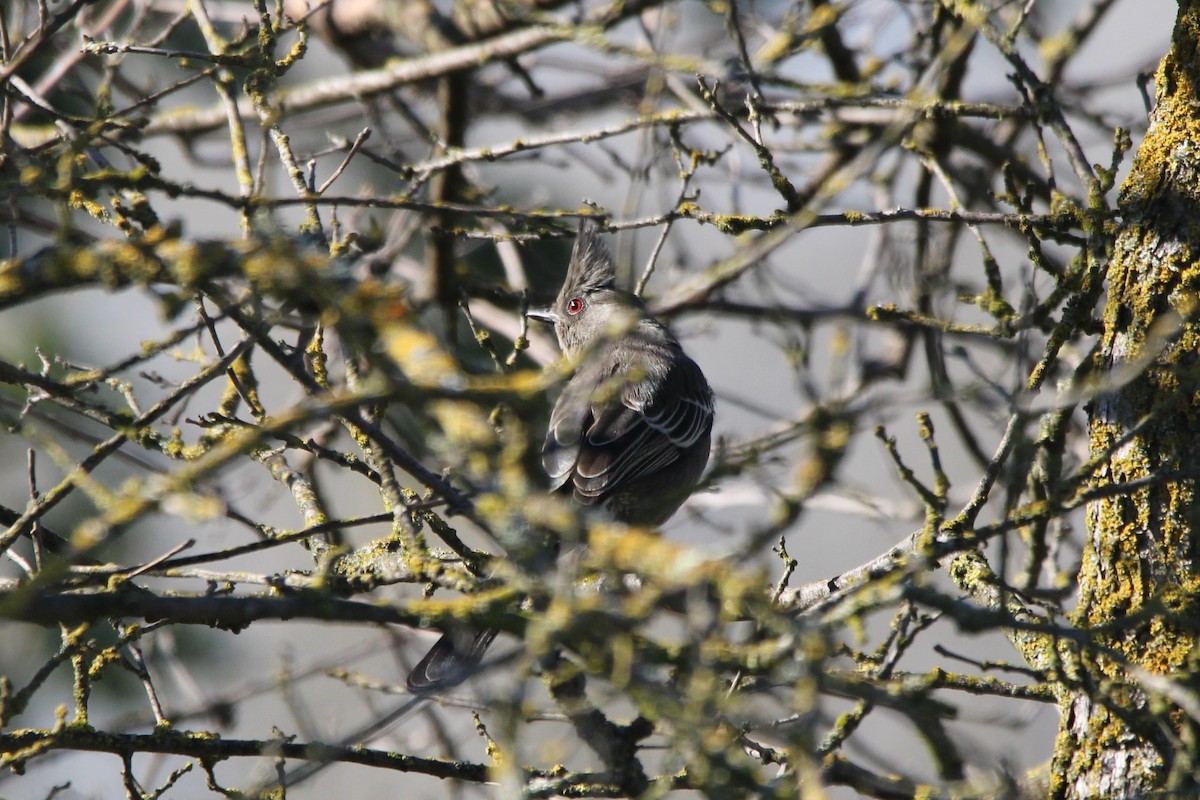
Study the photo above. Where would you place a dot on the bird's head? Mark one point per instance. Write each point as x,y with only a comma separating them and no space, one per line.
589,307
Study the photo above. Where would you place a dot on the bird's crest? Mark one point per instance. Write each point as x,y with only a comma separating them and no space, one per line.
591,264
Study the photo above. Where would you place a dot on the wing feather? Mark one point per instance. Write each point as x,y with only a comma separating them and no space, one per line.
611,428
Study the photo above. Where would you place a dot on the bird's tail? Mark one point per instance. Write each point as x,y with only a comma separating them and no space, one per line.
451,660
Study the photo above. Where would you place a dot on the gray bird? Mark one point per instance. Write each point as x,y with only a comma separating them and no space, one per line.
629,434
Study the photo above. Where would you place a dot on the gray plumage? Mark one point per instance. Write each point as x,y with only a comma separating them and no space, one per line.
629,433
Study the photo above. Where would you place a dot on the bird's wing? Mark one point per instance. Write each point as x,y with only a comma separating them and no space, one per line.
603,443
564,437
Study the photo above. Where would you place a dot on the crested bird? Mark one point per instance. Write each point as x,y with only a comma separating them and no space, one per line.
629,434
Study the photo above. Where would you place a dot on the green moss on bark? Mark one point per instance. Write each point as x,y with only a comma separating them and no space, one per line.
1139,590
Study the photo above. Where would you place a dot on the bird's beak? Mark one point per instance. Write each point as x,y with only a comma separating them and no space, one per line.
546,315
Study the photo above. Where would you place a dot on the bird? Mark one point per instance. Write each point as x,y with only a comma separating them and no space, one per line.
629,435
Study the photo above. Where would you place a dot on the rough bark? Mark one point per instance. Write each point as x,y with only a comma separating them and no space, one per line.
1123,731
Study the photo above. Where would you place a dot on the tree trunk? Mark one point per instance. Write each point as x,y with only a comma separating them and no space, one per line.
1124,731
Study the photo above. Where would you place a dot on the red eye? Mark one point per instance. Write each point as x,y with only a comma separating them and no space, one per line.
574,306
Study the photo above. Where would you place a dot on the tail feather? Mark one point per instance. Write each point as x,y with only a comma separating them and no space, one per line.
452,659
